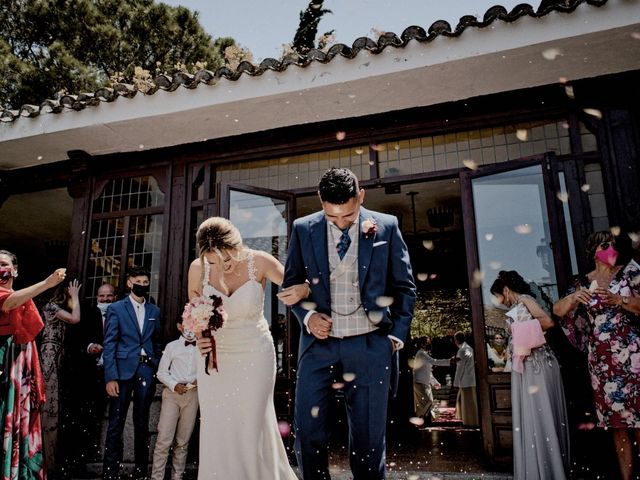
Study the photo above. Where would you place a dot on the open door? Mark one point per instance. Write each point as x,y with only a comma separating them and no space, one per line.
513,220
264,218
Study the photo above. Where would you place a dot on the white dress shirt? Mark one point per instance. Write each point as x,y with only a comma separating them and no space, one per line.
139,309
423,364
178,364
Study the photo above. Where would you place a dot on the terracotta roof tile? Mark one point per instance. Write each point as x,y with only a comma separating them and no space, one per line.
389,39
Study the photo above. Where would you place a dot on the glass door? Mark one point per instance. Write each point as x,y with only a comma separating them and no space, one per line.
264,218
513,221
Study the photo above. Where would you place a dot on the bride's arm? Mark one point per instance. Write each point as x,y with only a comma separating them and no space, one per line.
194,279
268,267
272,269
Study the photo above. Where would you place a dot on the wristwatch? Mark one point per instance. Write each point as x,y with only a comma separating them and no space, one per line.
625,300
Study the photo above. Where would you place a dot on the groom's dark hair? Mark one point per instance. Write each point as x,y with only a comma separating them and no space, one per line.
338,186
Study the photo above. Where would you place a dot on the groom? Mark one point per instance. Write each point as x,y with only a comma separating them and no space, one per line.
363,294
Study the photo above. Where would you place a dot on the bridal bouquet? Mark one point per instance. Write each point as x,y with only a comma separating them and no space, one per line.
205,315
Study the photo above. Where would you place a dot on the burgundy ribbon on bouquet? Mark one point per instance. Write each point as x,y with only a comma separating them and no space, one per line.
211,356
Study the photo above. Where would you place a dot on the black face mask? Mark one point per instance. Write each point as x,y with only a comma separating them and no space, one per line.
140,290
5,274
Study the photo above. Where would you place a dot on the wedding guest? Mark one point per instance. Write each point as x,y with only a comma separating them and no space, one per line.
131,354
497,353
21,382
539,412
93,364
85,397
423,379
178,372
63,307
465,381
601,315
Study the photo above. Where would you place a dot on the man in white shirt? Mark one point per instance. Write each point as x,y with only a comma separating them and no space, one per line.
178,372
465,380
423,379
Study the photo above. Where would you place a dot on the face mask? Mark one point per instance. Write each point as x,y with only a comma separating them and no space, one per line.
499,342
607,256
140,290
103,307
188,335
6,273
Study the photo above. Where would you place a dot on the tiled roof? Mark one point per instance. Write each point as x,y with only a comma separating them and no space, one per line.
164,82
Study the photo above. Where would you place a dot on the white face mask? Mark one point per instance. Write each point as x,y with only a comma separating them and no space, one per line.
102,306
188,335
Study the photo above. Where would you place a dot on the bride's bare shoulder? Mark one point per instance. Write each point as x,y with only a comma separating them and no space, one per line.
196,265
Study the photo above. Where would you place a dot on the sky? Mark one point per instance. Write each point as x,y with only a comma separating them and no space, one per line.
263,26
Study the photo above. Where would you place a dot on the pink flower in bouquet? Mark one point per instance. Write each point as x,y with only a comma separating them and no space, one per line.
205,315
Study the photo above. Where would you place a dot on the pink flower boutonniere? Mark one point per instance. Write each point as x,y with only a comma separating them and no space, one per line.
369,227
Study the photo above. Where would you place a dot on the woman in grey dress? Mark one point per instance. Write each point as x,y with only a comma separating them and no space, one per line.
540,428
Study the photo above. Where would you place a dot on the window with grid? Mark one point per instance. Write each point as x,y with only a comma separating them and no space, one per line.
297,171
481,147
126,230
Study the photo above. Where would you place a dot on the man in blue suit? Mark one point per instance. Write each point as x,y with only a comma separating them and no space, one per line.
131,355
363,293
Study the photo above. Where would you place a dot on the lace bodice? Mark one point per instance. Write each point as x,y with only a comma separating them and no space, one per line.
245,305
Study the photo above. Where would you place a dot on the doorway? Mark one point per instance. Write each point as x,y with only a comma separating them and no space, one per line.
430,218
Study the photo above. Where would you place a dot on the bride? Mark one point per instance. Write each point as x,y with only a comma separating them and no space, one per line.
239,435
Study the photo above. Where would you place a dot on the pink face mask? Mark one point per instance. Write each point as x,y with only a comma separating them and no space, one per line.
607,256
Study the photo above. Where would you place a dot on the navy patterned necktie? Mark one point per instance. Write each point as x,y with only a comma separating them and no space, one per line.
343,244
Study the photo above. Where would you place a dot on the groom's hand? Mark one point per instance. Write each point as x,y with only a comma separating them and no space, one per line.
320,325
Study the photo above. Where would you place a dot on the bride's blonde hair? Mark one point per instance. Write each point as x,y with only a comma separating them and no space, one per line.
215,235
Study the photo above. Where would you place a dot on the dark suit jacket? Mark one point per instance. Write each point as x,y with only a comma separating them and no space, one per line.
383,264
123,339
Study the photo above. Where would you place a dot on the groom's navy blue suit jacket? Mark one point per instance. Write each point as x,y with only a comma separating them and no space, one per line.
383,264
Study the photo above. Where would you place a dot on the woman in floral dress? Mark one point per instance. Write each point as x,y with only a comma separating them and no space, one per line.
602,317
21,383
63,307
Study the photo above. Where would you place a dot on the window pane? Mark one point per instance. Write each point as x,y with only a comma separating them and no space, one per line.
145,242
105,257
297,171
483,147
129,193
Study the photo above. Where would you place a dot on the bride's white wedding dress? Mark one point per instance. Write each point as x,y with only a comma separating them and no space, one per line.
239,436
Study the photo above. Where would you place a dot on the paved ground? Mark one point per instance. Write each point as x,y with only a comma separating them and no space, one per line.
342,474
427,454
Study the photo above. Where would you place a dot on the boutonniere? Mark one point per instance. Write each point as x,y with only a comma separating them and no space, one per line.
369,227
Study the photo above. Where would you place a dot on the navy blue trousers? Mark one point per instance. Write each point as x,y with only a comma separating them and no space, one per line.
366,361
140,388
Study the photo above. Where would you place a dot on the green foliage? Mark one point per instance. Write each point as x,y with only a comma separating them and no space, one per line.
305,37
439,313
74,46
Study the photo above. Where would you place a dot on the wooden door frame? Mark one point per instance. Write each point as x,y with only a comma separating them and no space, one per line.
492,387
